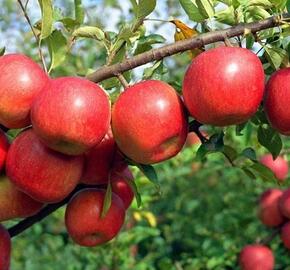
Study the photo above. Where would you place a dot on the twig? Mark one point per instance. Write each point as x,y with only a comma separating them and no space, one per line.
183,45
123,81
23,8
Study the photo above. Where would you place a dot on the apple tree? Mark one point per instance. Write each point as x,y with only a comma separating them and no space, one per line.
108,126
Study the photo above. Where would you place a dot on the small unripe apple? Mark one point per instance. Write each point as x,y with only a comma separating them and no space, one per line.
14,203
5,249
149,122
269,212
193,139
256,257
224,86
40,172
279,166
285,235
120,186
277,99
4,145
284,203
71,115
83,218
21,80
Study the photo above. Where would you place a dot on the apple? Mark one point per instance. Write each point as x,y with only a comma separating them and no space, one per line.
224,86
4,145
5,249
285,234
83,218
14,203
149,122
193,139
269,212
41,173
101,160
256,257
276,101
21,80
71,115
120,186
279,166
284,203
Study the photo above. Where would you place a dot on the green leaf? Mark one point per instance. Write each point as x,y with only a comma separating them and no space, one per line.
69,23
288,6
250,40
150,173
205,8
259,118
57,47
249,173
230,152
270,139
192,10
137,195
262,3
2,51
249,153
145,7
150,71
264,172
107,200
226,16
275,56
46,17
89,32
280,4
79,11
240,128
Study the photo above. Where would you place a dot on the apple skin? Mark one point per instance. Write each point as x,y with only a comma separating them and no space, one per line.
21,80
4,146
224,86
71,115
284,203
83,218
101,160
43,174
256,257
279,166
192,138
14,203
5,248
276,101
149,122
285,235
269,212
120,186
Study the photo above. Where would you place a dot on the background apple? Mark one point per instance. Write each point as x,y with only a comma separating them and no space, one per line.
269,212
42,173
5,249
277,98
284,203
14,203
285,235
256,257
279,166
224,86
71,115
83,218
4,145
21,81
149,122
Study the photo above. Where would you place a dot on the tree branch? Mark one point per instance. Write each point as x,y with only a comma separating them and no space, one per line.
184,45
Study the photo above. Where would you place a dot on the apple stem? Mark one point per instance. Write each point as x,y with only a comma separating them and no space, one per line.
123,80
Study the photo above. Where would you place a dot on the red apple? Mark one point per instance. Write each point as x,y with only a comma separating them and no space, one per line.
83,218
224,86
101,160
192,138
21,81
120,186
5,249
269,212
40,172
276,102
285,234
279,166
72,115
284,203
256,257
4,145
14,203
149,122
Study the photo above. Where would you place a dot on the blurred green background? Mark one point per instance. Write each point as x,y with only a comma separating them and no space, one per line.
203,214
